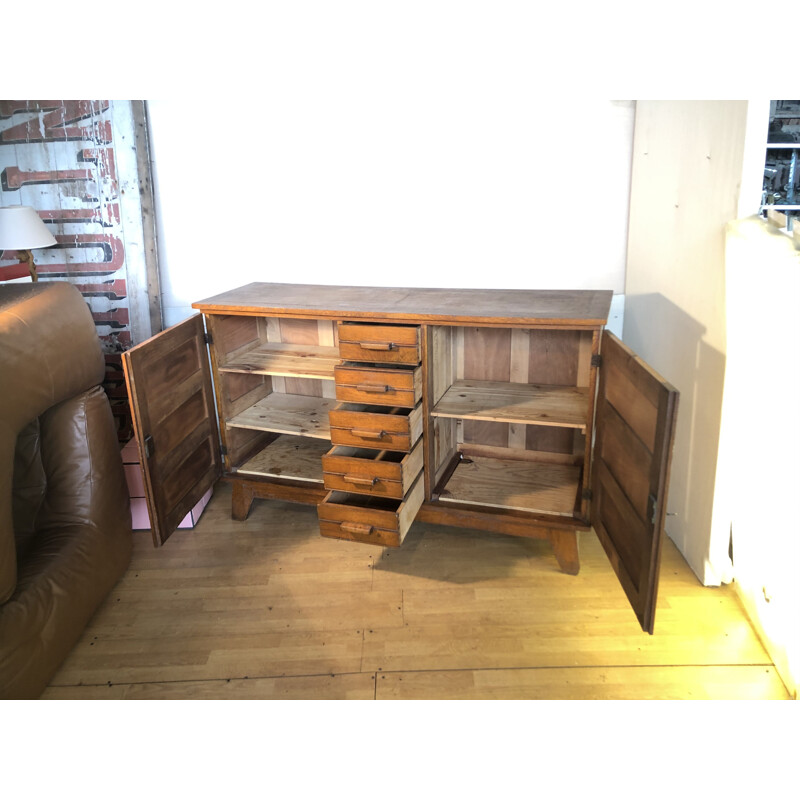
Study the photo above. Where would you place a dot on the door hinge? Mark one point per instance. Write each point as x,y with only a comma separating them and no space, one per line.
586,494
207,338
223,450
148,447
597,361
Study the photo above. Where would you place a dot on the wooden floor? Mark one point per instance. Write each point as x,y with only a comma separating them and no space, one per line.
268,609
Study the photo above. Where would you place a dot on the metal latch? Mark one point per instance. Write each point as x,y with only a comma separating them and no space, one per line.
651,501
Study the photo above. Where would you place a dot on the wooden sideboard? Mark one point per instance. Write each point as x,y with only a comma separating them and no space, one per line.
509,411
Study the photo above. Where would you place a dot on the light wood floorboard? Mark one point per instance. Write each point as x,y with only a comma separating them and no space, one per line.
268,609
586,683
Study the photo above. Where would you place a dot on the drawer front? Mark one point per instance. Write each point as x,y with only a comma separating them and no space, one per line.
369,520
394,429
384,387
374,472
358,532
359,484
391,344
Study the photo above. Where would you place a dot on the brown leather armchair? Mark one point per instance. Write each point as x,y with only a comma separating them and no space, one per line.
65,528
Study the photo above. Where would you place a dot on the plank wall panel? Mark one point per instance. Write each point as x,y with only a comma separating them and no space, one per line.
301,331
81,165
487,357
553,359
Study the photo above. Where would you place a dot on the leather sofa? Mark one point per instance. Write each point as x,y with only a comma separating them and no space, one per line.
65,528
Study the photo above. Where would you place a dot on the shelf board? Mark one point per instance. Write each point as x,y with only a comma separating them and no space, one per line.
558,406
518,485
295,457
297,414
289,360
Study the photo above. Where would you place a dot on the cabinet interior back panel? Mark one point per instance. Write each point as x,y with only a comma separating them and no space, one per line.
550,357
235,333
487,357
302,331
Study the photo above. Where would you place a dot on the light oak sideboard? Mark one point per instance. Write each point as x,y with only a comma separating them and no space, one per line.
509,411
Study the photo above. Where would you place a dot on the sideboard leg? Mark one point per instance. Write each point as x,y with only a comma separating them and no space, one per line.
565,548
242,500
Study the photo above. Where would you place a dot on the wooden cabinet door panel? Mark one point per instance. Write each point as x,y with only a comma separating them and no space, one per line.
172,403
635,425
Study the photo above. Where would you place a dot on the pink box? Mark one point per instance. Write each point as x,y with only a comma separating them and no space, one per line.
140,517
130,452
134,479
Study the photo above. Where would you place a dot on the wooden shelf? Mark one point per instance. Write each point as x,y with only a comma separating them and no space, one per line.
295,457
519,485
559,406
297,414
289,360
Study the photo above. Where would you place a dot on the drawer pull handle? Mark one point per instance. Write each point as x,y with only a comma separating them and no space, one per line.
377,345
360,481
374,388
362,434
358,528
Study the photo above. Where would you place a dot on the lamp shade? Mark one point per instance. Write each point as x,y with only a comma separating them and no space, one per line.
21,228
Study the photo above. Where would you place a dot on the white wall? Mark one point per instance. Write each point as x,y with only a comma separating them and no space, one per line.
688,171
344,177
759,440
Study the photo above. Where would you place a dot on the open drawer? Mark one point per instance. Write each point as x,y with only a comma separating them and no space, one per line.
382,473
399,386
369,520
361,425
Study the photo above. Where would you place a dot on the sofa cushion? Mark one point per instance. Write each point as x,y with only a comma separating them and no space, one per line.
49,351
30,485
83,465
81,546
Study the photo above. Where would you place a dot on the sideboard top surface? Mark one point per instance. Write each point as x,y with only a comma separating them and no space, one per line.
573,308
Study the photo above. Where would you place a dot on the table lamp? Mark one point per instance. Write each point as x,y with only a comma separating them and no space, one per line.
22,229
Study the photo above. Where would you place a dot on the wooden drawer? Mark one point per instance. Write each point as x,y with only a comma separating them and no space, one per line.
394,344
370,520
399,386
380,473
359,425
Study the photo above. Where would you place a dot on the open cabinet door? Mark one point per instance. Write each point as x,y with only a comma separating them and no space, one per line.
635,425
172,404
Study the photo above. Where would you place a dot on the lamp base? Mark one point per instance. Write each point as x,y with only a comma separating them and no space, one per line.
26,257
